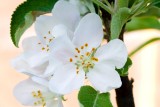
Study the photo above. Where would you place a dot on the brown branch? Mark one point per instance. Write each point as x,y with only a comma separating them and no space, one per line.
124,95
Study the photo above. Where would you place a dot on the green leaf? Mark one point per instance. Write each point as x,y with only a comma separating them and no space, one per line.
151,11
25,15
121,3
89,97
124,71
143,23
118,21
156,3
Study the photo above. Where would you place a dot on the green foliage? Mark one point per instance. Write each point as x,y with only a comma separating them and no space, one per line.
118,21
156,3
143,23
122,3
124,71
25,15
151,11
89,97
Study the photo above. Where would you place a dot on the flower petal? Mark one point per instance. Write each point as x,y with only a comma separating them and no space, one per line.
62,49
65,79
61,30
31,44
71,18
44,25
104,78
37,59
51,67
33,53
54,103
21,65
23,92
114,53
40,81
89,31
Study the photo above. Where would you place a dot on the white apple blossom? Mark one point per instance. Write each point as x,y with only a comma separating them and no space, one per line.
84,57
35,92
34,59
85,6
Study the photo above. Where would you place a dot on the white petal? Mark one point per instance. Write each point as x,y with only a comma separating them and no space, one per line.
114,53
37,59
61,30
62,49
31,44
89,31
67,13
23,92
44,25
40,81
54,103
19,64
51,67
66,80
104,78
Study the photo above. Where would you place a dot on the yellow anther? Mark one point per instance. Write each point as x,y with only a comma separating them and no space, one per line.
87,53
39,43
50,40
76,56
40,99
44,37
86,45
78,51
70,59
43,48
35,103
95,59
93,49
82,47
77,71
49,32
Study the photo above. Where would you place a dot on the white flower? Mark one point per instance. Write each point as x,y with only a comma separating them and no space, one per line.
34,59
83,56
36,93
85,6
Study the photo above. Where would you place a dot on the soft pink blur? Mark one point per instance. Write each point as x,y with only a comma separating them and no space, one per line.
145,69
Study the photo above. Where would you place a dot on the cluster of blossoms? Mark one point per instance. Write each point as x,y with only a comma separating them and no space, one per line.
67,50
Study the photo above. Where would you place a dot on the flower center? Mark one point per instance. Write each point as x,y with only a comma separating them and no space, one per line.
83,59
48,40
40,98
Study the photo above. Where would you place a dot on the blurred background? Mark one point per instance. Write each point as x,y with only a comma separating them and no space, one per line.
145,69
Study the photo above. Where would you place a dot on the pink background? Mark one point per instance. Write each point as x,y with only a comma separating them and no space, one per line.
145,70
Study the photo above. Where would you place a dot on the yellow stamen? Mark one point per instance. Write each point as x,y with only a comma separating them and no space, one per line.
86,45
82,47
50,40
70,59
87,53
76,56
95,59
44,37
43,48
93,49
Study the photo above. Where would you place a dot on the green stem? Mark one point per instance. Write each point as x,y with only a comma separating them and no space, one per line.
143,45
99,3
